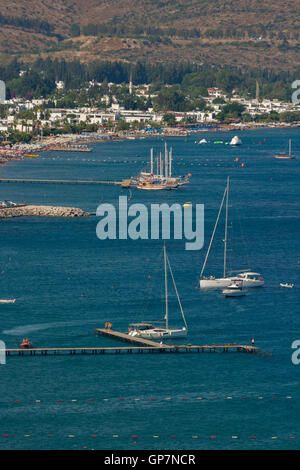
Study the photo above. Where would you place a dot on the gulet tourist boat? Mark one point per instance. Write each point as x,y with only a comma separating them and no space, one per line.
162,179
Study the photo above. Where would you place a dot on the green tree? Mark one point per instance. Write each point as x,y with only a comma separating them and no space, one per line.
123,125
74,30
170,99
169,119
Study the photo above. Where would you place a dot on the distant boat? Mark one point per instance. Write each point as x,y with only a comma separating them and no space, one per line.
7,301
236,289
288,286
148,330
202,141
235,141
284,156
162,179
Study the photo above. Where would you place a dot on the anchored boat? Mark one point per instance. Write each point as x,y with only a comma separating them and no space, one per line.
284,156
286,285
249,279
235,141
161,179
235,289
148,330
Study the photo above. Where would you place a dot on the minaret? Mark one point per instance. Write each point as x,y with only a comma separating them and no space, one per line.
257,91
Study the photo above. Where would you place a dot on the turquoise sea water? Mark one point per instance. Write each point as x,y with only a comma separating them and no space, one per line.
67,282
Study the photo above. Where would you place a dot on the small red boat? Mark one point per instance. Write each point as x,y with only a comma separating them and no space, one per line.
26,343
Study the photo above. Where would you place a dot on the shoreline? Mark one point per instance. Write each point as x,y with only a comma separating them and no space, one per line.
69,142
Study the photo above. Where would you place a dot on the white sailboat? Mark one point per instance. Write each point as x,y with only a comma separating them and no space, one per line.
284,156
249,279
147,330
235,141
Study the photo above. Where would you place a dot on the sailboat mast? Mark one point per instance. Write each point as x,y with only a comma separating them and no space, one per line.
170,162
151,161
290,146
160,165
213,234
166,160
226,228
178,298
166,288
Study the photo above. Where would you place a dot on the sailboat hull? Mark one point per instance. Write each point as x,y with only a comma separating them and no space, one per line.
215,283
253,283
159,333
207,284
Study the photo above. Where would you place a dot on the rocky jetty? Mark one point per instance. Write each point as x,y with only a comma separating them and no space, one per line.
41,211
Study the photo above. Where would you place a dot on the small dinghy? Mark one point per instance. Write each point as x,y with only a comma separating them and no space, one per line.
286,285
7,301
26,343
236,289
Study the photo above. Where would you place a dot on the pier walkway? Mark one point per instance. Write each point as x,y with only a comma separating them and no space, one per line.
25,180
138,345
217,348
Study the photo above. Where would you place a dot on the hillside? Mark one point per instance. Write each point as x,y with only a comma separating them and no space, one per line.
231,32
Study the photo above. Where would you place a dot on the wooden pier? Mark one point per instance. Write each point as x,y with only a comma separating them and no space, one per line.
217,348
138,345
128,338
25,180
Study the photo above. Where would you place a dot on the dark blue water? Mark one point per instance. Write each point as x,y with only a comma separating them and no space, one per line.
67,282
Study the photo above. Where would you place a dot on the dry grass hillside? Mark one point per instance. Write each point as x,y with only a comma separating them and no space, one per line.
236,32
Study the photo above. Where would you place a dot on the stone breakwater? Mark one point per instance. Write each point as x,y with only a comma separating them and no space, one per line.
41,211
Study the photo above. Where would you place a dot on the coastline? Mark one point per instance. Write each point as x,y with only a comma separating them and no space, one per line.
77,142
